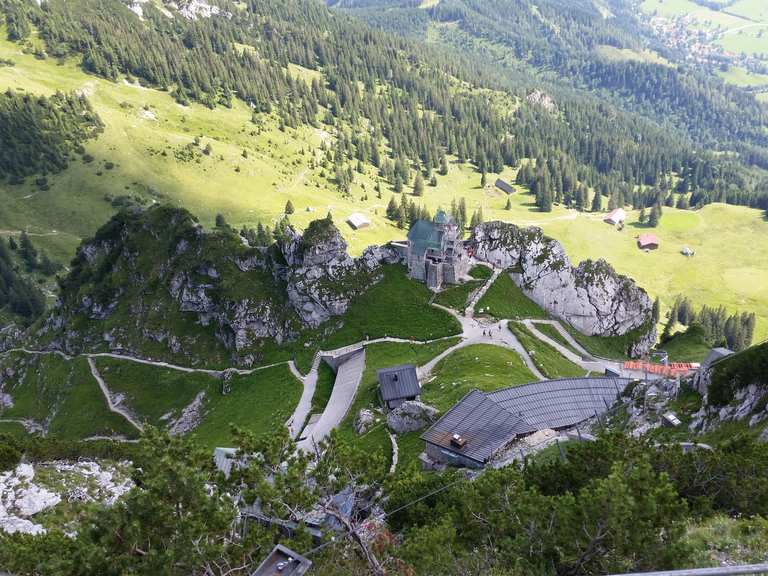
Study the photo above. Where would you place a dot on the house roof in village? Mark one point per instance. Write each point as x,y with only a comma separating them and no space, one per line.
398,382
616,216
487,421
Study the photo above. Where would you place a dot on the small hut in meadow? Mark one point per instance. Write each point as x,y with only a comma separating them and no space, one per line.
648,242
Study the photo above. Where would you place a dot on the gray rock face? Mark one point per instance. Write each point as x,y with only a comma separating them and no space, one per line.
321,278
748,404
411,416
591,297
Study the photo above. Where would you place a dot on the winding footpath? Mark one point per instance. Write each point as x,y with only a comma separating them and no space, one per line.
349,362
113,407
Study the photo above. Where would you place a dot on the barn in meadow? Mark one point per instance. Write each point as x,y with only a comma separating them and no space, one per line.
648,242
504,186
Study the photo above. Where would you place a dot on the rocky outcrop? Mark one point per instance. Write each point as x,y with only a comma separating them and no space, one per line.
364,420
749,404
411,416
591,297
153,282
321,278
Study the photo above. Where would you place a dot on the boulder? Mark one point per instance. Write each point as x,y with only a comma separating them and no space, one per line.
411,416
364,420
591,297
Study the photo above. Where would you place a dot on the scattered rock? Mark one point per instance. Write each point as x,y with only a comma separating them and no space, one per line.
411,416
364,421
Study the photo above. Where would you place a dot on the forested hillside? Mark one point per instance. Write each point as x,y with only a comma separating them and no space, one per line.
39,135
591,55
388,82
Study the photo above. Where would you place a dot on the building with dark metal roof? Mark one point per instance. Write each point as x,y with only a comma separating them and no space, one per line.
505,187
482,424
397,385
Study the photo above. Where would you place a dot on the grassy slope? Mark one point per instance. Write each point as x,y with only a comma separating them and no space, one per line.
548,360
730,268
480,366
688,346
456,297
257,403
60,393
151,392
376,440
554,334
505,300
395,306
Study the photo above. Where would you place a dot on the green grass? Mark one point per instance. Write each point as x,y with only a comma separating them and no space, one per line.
688,346
62,395
324,388
480,272
456,297
505,300
396,306
258,403
548,360
481,366
409,446
554,334
613,347
155,395
376,441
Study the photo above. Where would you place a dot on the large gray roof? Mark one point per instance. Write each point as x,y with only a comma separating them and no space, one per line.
398,382
487,421
560,403
482,423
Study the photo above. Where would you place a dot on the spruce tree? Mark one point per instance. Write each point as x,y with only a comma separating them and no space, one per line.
27,252
289,209
418,185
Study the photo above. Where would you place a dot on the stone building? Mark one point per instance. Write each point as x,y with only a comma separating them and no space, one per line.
435,252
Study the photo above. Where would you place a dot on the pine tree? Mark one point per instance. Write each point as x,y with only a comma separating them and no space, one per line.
418,185
597,202
443,165
27,252
508,205
653,219
289,209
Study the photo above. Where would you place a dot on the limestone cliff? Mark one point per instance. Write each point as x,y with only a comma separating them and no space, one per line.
591,297
155,284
